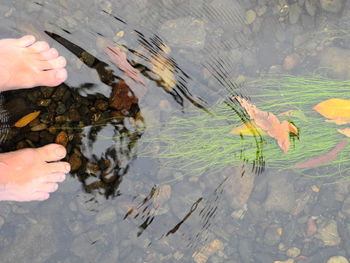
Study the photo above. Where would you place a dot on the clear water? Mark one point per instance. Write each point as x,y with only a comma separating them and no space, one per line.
123,205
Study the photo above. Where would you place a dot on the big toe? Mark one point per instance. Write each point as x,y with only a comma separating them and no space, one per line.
52,152
40,46
26,41
52,77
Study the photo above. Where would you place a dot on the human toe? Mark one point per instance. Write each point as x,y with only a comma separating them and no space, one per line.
59,167
52,77
55,177
40,46
47,187
49,54
52,152
56,63
25,41
39,196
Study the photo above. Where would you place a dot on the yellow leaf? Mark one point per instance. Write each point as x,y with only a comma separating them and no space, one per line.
269,122
248,129
27,119
346,131
339,121
163,68
335,109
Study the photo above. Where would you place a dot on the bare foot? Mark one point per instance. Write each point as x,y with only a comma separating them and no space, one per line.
26,63
32,174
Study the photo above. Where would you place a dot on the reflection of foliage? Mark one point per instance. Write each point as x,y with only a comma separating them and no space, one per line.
200,142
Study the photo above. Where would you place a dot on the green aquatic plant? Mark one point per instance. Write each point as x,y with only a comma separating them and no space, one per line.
199,142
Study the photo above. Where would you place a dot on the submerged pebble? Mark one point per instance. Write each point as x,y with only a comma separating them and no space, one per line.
333,6
62,138
185,32
250,16
337,259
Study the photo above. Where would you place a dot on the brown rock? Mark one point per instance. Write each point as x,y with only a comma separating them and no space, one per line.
328,233
62,138
33,136
75,162
39,127
238,188
74,114
291,61
101,105
205,252
161,195
61,119
46,137
311,227
21,145
337,61
281,195
122,97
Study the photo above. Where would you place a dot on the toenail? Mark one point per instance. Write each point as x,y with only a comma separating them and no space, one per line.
53,51
60,152
67,167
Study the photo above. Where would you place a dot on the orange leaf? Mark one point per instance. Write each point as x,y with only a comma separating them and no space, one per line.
338,121
288,113
324,158
27,119
337,110
248,129
268,122
118,57
346,131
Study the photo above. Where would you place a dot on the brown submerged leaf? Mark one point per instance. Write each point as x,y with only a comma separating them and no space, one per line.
118,57
269,122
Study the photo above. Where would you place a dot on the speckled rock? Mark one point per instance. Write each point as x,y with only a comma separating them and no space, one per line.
328,233
337,259
311,7
185,32
281,196
337,61
346,207
333,6
238,188
106,216
294,13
